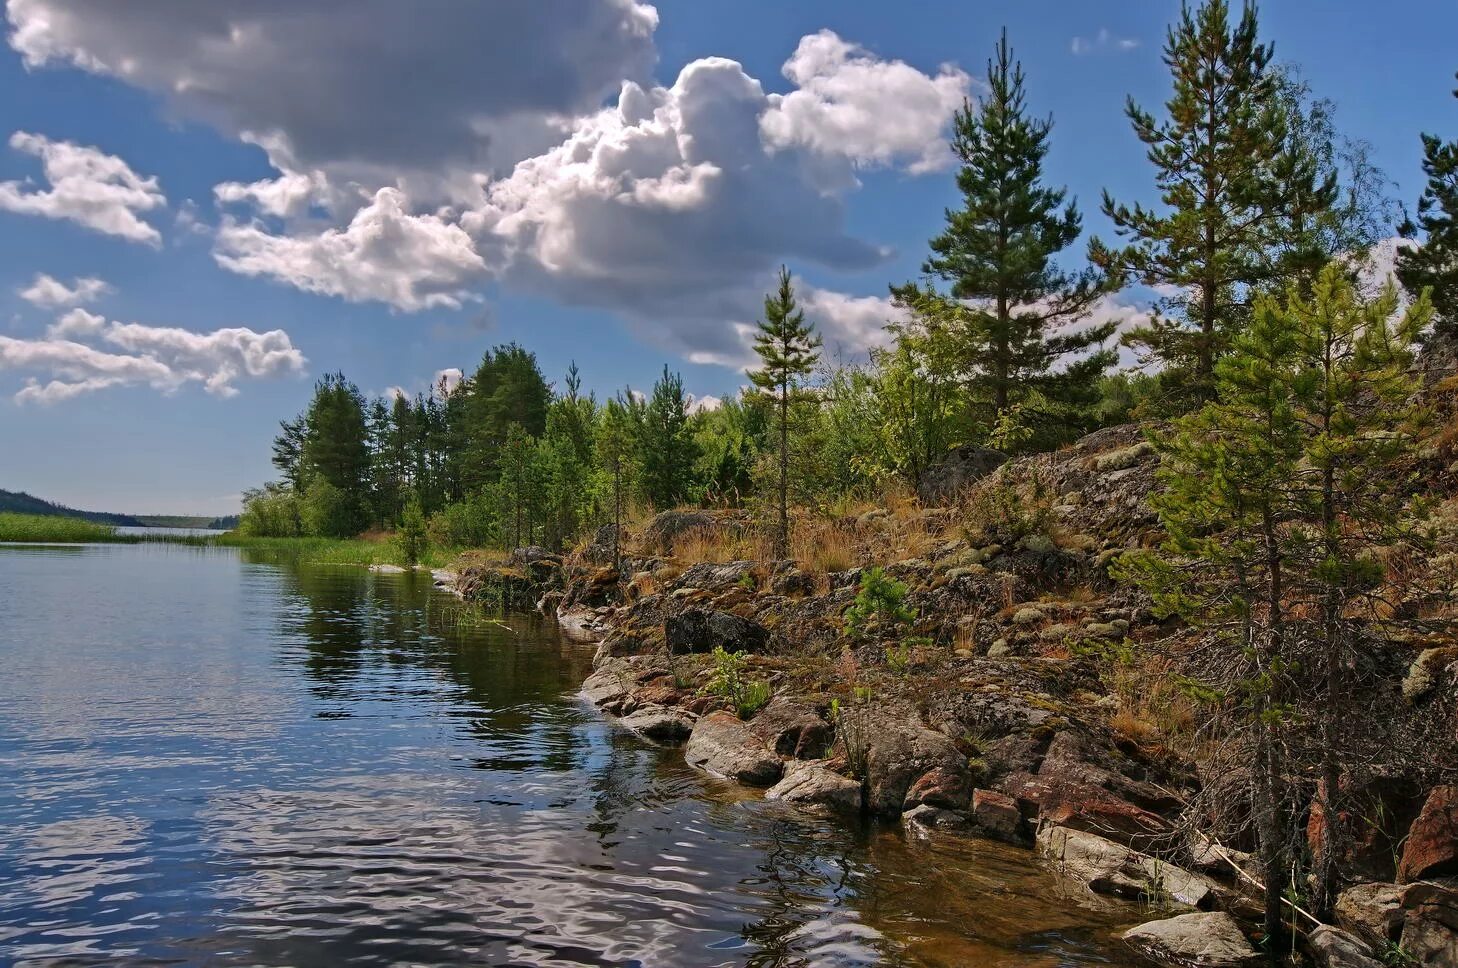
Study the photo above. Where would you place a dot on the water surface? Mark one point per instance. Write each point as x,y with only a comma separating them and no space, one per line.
210,758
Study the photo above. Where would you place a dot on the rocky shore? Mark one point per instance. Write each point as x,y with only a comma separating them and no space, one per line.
1009,702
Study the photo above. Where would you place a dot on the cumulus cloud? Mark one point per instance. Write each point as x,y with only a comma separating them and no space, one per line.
48,292
1103,41
87,186
411,262
851,104
673,207
356,84
61,366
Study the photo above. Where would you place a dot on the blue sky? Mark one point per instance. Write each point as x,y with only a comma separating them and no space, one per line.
430,179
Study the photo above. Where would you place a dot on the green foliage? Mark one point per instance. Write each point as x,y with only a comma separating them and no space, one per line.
271,512
880,602
1010,307
411,538
1230,184
471,523
727,680
328,511
898,658
788,349
1433,266
665,444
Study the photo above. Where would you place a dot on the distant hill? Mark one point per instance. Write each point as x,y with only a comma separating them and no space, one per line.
21,503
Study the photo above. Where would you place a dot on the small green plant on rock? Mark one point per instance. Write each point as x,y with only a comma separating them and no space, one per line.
728,680
898,658
880,601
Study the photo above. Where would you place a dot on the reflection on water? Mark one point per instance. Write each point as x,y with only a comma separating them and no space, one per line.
207,758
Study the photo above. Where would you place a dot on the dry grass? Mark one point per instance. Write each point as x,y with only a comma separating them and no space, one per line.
824,547
1151,706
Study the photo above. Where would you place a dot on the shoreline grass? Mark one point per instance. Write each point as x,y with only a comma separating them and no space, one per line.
54,529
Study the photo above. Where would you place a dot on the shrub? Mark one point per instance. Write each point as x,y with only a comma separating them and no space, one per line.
881,600
330,512
411,539
747,697
467,524
271,513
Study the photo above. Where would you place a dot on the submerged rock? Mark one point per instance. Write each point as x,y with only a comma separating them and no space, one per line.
1210,940
662,723
723,745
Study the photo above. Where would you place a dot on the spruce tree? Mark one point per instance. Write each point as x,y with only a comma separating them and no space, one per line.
666,445
788,349
615,436
1229,185
1434,265
1010,308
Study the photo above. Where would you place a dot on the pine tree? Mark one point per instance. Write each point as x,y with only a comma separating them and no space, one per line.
1229,184
1434,265
336,452
666,445
788,349
1010,308
615,451
1278,502
518,465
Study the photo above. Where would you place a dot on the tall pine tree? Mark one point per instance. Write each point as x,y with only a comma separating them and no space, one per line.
666,444
1010,308
788,349
1229,184
1434,265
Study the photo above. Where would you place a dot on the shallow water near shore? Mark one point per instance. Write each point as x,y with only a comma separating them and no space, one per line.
212,757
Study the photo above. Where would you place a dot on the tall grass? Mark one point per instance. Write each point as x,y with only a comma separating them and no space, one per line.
52,529
336,551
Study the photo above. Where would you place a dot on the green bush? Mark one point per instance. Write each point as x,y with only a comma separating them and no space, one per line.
271,513
329,512
747,696
881,601
411,539
471,523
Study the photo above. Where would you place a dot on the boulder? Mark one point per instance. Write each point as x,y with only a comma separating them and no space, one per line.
926,818
1373,912
814,787
664,529
793,730
961,468
898,755
723,745
1111,868
716,576
1426,671
1335,948
661,723
1431,849
599,550
609,684
1210,940
1430,937
997,816
701,630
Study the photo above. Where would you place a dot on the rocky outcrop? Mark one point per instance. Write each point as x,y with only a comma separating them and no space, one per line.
662,723
1335,948
669,526
949,478
703,630
792,729
723,745
1430,929
814,787
1372,911
1431,849
1210,940
997,816
1111,868
907,765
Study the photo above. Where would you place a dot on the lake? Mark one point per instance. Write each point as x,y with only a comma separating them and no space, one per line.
209,757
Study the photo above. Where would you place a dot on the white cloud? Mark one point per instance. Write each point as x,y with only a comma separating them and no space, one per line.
411,262
875,112
703,404
356,85
163,358
49,292
87,186
1103,41
448,379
